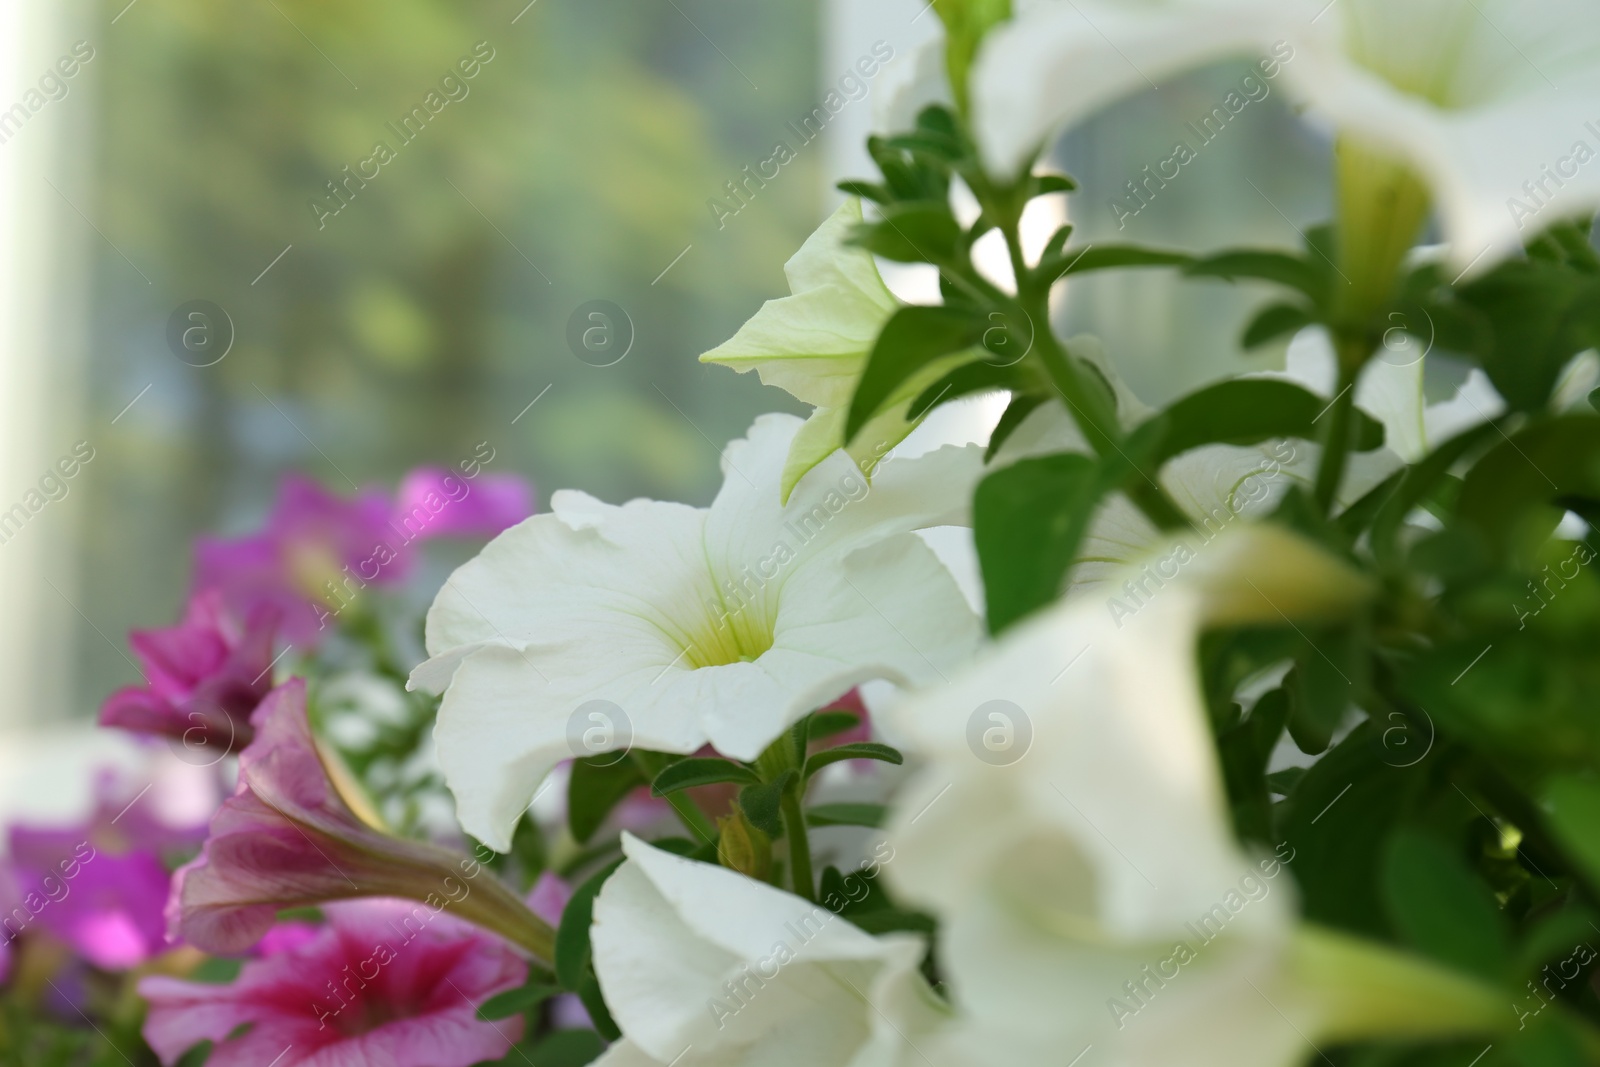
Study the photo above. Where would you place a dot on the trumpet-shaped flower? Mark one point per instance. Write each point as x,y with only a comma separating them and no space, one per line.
288,838
205,677
703,965
1072,835
670,627
1492,104
384,982
814,345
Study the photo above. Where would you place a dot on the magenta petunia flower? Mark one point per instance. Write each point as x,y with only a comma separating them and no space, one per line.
204,677
317,551
100,886
384,982
434,502
287,838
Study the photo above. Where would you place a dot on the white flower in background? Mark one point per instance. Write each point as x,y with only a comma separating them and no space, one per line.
701,965
1218,485
690,625
814,345
1493,104
1070,831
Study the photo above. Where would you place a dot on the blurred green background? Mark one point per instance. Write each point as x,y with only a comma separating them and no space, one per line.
423,317
575,166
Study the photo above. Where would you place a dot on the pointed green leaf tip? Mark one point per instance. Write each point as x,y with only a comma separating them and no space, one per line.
814,345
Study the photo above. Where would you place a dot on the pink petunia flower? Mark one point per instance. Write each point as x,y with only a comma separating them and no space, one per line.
384,982
287,838
204,677
317,551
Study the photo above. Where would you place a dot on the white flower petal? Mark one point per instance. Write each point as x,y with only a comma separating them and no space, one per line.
694,956
1058,64
1061,874
910,82
1479,98
721,625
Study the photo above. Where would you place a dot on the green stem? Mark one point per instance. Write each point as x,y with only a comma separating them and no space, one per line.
1352,352
1091,409
494,907
794,828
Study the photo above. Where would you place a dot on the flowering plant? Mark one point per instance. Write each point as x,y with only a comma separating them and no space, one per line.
1256,728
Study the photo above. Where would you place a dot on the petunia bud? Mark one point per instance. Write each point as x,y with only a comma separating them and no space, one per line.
743,847
287,838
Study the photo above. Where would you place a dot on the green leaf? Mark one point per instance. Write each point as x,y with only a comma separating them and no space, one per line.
594,789
853,894
1551,1041
1318,700
1355,518
939,144
908,178
1515,491
1571,804
1284,268
894,920
1419,480
1058,241
1553,939
1282,783
1244,751
914,232
825,724
1275,321
564,1048
1441,907
572,936
516,1001
1248,411
1338,820
878,194
911,339
854,750
1108,257
1028,520
762,804
1021,406
847,815
688,773
1045,184
594,1002
978,376
1535,315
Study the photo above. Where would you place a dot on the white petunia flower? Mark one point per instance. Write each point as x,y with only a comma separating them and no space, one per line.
814,346
701,965
1070,832
1494,104
667,627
